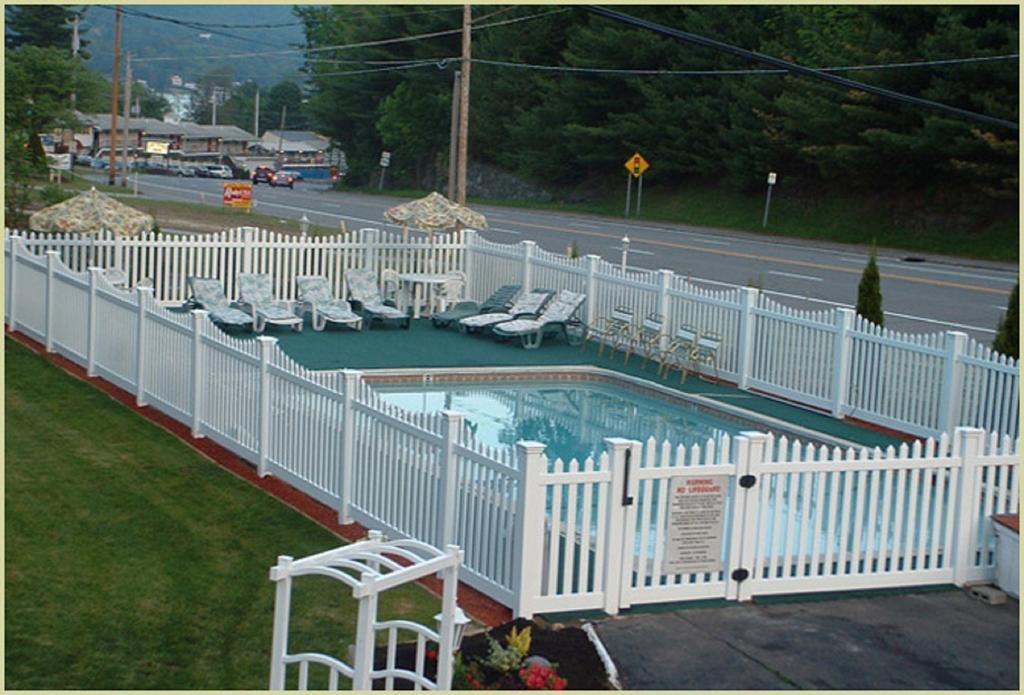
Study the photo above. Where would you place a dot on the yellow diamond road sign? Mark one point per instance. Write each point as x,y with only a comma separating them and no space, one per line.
637,165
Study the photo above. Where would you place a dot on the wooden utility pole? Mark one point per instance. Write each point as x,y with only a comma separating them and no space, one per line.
467,18
280,138
75,44
127,112
112,169
453,138
256,115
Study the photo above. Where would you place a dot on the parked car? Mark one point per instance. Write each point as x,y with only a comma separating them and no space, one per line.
83,160
262,174
282,178
219,171
98,164
201,170
157,168
185,170
297,175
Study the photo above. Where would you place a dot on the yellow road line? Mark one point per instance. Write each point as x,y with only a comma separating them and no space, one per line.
763,258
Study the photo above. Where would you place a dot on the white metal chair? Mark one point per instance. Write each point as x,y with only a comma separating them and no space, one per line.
646,338
613,330
450,292
678,353
706,351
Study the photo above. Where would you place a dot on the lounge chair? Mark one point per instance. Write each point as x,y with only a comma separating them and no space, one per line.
257,297
499,301
557,316
613,330
315,297
362,288
208,294
528,304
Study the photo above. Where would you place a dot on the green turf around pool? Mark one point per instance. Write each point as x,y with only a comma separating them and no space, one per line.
423,345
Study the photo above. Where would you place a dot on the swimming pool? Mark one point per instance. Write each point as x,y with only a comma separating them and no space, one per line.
574,416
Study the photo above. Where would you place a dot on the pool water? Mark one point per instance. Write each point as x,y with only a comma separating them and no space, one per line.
572,418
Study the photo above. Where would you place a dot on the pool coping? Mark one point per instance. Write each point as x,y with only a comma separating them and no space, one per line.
602,375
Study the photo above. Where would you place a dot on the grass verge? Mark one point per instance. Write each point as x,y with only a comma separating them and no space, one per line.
839,218
132,562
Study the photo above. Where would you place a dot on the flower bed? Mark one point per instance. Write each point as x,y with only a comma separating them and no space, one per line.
572,661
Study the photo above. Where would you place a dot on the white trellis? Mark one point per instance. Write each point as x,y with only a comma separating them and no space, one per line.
371,567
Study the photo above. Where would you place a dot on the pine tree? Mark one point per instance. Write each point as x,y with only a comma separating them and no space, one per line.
45,26
1008,334
869,292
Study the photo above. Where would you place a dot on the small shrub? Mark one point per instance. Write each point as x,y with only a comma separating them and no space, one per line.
1008,334
869,292
53,194
573,251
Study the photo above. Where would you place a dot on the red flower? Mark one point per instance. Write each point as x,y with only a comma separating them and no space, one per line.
431,654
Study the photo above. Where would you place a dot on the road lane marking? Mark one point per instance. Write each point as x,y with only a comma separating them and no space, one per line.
502,230
636,251
794,275
784,261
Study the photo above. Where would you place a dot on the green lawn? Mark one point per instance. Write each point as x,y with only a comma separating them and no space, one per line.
132,562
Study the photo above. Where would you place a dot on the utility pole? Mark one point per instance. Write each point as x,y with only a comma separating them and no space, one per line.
280,138
453,138
127,112
112,169
256,115
213,100
75,45
467,18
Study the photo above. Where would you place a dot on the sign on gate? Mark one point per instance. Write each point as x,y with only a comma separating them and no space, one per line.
696,523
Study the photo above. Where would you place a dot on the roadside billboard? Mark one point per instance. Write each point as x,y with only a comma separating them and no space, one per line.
238,195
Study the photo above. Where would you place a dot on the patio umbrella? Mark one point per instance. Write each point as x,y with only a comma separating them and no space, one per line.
90,213
433,213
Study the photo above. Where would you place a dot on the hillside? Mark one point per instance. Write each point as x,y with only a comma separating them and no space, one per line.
191,54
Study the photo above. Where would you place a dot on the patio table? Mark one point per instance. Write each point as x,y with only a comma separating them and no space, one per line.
421,283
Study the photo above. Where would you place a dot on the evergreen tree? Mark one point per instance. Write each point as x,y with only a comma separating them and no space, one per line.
44,26
869,292
1008,335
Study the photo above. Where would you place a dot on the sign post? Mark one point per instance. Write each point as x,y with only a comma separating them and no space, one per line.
768,199
385,162
636,166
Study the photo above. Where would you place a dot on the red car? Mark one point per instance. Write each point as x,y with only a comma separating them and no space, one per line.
282,178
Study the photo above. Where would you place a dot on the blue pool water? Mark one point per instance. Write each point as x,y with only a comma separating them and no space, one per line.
572,418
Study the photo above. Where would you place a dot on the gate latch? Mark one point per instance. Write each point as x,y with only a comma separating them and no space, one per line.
748,480
738,575
627,499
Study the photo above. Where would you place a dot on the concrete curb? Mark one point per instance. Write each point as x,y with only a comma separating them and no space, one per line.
609,665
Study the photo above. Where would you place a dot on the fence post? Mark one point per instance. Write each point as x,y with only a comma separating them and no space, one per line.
664,285
281,575
90,345
750,447
528,249
590,308
12,286
468,238
372,242
530,502
618,449
952,381
266,345
350,381
198,321
51,260
449,478
841,352
248,239
967,502
745,337
143,296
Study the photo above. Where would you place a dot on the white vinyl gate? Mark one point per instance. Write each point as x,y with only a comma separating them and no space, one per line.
798,518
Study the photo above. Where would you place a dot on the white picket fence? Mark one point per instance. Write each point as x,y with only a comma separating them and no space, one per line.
830,359
168,260
797,518
537,535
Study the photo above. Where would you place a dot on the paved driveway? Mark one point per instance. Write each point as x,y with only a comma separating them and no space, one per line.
926,641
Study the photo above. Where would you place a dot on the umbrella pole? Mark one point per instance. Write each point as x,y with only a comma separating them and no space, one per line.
405,234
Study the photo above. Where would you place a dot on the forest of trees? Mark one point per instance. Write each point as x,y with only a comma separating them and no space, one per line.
574,130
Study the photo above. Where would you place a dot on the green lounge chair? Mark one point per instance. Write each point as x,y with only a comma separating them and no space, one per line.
557,316
208,294
315,297
529,304
499,301
362,288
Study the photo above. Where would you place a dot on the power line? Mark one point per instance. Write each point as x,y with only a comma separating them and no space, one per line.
711,73
188,25
793,67
440,65
363,44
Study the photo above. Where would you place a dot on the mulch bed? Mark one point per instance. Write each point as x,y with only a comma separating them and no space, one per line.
570,648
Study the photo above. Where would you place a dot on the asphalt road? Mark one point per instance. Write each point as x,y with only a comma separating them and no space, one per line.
921,295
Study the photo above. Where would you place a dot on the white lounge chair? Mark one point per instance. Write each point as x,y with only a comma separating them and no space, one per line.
557,316
208,294
256,295
315,297
528,304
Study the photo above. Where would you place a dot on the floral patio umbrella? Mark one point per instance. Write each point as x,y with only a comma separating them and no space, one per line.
435,212
90,213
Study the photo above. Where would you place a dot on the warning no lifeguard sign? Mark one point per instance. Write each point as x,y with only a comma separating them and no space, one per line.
238,195
696,521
